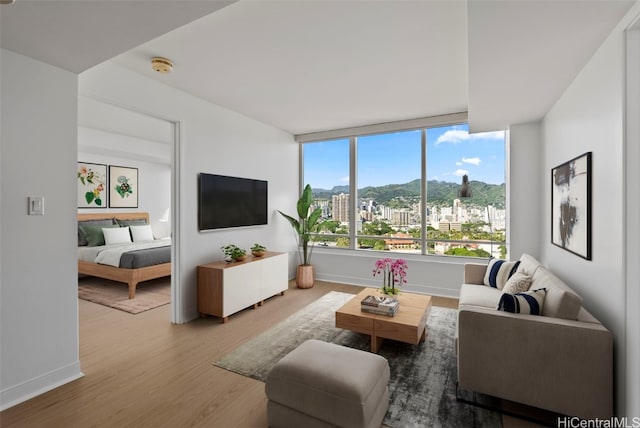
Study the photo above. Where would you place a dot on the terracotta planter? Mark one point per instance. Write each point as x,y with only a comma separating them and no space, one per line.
304,276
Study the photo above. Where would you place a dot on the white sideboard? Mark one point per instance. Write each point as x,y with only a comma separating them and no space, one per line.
225,288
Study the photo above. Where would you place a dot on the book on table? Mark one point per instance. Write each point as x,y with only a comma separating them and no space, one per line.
382,305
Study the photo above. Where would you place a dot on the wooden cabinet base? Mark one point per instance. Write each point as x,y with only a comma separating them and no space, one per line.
227,288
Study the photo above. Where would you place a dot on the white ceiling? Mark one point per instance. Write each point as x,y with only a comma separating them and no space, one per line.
306,66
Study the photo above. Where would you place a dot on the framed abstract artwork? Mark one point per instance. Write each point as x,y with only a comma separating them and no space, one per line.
92,185
571,206
123,187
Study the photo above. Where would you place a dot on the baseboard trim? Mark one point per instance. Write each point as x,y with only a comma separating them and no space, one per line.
24,391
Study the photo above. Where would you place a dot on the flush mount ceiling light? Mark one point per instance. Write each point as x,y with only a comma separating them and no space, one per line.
6,1
161,65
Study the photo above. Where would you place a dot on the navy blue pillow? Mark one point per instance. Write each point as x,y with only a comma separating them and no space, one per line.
529,302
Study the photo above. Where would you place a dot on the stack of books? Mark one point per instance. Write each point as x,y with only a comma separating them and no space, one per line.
380,305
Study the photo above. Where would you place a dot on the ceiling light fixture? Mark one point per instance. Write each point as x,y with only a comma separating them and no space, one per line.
6,1
161,65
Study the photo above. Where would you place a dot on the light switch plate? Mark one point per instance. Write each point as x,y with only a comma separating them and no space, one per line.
36,205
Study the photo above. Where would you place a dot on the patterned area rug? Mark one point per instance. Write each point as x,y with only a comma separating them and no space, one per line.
149,294
423,377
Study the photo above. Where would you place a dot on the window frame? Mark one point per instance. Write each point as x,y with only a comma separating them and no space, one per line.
422,125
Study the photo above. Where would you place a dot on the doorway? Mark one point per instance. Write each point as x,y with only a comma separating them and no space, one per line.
110,134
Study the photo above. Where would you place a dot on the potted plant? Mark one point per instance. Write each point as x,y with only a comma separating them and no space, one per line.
304,226
233,253
258,250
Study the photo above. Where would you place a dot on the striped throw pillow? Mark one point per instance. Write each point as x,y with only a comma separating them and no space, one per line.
499,271
529,302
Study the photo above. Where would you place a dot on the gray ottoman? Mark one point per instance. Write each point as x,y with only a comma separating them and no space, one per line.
321,384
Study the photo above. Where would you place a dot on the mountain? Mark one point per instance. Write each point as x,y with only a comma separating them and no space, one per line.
438,193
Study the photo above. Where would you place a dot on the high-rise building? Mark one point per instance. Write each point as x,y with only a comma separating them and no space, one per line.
340,208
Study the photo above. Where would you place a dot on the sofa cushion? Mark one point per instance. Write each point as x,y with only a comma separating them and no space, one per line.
499,271
561,300
528,264
529,302
518,283
479,295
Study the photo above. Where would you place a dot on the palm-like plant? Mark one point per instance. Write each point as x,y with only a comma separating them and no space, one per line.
305,225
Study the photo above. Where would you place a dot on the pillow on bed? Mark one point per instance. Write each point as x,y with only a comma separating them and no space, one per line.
141,233
94,234
137,222
82,237
116,235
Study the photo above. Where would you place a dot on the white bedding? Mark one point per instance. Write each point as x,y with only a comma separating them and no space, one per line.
110,254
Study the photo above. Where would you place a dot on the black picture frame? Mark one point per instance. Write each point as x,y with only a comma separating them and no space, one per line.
123,187
571,205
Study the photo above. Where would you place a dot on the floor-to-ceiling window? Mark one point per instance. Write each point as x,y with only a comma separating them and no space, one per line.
399,191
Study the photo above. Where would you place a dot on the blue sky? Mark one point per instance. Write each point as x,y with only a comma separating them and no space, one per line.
394,158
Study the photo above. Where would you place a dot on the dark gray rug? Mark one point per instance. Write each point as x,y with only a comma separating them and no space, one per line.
423,377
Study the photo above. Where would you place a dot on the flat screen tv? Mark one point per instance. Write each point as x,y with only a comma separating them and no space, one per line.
225,202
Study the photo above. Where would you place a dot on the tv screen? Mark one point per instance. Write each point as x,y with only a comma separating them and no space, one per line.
225,202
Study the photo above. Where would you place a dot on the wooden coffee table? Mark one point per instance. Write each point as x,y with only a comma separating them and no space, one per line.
409,325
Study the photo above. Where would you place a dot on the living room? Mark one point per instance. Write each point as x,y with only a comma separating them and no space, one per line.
39,131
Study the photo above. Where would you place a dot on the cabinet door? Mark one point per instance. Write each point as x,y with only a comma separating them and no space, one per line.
275,275
241,287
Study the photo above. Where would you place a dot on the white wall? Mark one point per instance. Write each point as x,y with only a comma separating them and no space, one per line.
38,300
590,117
214,140
632,198
524,190
154,179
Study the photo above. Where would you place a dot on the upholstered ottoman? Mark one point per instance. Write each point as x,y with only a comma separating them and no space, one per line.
321,384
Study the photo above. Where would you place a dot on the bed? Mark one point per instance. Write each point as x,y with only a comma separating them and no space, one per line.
130,275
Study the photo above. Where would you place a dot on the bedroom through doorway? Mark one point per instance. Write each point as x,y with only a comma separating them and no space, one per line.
126,178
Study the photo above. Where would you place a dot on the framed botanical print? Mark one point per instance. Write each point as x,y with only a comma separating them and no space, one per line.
123,187
571,206
92,185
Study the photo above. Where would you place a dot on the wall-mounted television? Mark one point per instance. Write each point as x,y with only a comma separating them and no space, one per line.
225,202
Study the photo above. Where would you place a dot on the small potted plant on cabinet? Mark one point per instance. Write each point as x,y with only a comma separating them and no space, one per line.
304,226
258,250
233,253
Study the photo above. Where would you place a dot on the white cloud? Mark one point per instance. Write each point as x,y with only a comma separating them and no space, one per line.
460,172
457,136
458,163
345,179
473,161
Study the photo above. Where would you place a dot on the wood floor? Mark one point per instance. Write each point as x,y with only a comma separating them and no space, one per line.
142,371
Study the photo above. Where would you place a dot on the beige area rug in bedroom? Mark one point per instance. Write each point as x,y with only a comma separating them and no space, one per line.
149,294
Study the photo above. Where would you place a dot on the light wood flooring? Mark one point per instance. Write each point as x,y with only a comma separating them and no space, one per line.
142,371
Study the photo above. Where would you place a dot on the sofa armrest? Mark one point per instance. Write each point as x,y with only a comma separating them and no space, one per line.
474,273
561,365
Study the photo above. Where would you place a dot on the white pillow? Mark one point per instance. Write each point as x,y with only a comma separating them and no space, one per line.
116,235
518,283
142,233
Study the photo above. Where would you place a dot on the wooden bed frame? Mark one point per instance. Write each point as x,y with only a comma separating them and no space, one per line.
129,276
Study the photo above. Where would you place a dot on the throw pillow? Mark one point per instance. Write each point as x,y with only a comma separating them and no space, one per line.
518,283
499,271
529,302
141,233
116,235
82,238
94,234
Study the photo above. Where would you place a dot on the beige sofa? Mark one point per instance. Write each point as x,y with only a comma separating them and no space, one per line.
561,360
